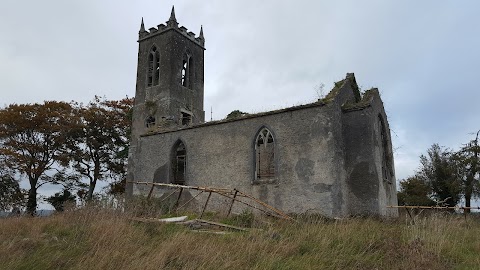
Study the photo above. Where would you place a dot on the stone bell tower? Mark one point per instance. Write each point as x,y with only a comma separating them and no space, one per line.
169,92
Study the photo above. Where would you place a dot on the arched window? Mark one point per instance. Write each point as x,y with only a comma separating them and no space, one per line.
187,71
386,160
184,73
153,72
264,155
179,163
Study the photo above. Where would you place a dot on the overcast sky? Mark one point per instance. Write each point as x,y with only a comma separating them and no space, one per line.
263,55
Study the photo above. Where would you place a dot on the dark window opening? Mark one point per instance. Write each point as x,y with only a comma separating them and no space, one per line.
150,121
153,72
150,70
187,72
157,69
190,73
184,73
179,164
265,155
186,119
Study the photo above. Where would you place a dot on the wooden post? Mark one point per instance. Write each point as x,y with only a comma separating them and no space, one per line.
150,193
413,220
205,206
190,200
178,198
231,204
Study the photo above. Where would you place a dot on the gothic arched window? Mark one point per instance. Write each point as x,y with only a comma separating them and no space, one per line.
386,159
187,71
179,163
264,155
153,72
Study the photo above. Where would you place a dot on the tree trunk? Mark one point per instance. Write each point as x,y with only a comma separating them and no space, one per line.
93,180
91,188
32,201
468,191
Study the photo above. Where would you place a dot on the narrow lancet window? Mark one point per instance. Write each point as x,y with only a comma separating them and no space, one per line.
153,72
190,72
179,164
265,155
187,72
150,70
157,69
184,73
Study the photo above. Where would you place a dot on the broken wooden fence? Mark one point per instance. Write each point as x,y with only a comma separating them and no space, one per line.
233,194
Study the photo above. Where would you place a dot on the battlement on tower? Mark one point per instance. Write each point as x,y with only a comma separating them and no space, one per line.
171,24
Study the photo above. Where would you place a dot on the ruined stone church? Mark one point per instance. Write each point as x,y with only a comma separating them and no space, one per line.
332,157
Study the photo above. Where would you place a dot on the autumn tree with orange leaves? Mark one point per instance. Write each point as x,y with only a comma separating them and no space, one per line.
99,147
33,139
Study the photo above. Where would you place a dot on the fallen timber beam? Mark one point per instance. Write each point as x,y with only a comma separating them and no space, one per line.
160,220
221,225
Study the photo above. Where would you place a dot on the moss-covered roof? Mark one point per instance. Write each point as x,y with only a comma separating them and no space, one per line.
365,102
352,83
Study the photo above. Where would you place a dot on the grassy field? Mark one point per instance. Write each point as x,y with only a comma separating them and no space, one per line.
101,239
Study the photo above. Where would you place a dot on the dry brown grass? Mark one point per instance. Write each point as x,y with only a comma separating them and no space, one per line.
103,239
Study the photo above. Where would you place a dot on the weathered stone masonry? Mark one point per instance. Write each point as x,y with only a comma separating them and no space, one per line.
332,157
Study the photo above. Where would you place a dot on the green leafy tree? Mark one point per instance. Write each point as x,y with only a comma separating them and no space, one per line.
414,191
33,139
439,171
100,145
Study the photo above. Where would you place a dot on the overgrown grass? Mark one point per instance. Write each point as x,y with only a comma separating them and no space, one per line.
106,239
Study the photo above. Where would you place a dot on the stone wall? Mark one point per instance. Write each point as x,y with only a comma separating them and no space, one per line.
328,157
308,158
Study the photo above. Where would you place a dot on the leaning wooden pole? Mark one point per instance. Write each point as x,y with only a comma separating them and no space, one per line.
168,196
231,204
267,206
178,198
193,198
150,193
206,203
254,207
